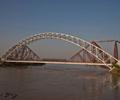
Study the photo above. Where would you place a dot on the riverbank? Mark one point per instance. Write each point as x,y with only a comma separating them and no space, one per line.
116,69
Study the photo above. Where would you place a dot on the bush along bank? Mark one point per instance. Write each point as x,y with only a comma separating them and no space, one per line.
115,69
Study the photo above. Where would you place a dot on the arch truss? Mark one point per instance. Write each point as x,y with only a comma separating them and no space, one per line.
20,50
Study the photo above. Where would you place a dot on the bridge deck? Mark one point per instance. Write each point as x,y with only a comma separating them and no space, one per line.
56,62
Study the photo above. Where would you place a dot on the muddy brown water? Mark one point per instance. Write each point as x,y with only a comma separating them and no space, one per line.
58,82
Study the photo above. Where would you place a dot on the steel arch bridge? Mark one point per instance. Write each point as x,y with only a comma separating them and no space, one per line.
21,52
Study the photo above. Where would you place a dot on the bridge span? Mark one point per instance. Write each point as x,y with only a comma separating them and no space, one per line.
56,62
90,52
20,62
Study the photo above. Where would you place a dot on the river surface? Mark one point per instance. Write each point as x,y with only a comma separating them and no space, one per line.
58,82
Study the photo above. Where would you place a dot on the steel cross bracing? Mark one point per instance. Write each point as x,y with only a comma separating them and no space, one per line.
83,56
23,53
90,48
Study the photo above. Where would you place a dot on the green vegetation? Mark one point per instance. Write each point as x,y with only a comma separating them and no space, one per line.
115,69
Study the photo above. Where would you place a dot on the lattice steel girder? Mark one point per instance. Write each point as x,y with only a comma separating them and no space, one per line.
85,55
23,53
75,40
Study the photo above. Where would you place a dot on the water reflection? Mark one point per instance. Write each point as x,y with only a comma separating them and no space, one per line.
115,80
58,83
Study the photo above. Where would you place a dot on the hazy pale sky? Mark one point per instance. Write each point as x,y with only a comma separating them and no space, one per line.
87,19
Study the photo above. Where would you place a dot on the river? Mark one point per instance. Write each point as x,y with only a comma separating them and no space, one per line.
58,82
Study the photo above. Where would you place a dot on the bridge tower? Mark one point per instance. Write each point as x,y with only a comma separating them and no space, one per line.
115,51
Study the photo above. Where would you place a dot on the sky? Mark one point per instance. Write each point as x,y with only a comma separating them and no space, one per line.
87,19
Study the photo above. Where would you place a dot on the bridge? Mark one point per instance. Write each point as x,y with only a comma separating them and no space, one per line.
91,53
